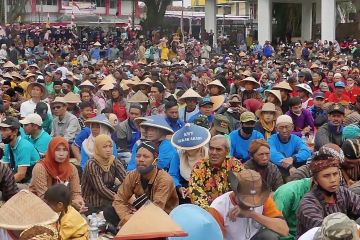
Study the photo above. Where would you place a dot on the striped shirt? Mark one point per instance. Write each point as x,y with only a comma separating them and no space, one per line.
98,187
313,208
8,186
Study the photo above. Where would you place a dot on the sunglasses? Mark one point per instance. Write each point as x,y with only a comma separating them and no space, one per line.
56,107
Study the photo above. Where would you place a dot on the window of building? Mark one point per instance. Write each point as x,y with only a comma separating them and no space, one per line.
113,3
46,2
100,3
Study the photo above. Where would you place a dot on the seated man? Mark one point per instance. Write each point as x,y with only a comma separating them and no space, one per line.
339,95
8,187
241,216
302,118
327,196
35,134
208,179
19,153
287,199
259,151
147,182
287,150
241,139
317,110
331,132
172,115
205,108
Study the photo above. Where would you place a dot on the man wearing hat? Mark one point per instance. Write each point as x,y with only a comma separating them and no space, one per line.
20,154
327,196
339,95
240,139
287,150
38,93
208,179
318,112
64,124
331,132
35,134
205,108
250,85
191,99
285,91
248,211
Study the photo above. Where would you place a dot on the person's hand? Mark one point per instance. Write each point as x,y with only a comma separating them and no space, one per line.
306,130
292,171
79,204
238,212
286,162
226,105
183,192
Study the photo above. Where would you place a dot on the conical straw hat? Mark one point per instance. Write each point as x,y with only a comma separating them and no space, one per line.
87,83
107,86
138,97
217,83
150,222
71,97
9,64
190,93
218,101
24,210
110,78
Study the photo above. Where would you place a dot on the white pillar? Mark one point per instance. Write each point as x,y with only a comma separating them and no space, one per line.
318,12
210,18
306,20
264,20
328,20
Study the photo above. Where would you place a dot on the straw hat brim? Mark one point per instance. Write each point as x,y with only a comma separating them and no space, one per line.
217,101
307,90
283,87
43,89
149,124
272,92
258,112
242,82
109,125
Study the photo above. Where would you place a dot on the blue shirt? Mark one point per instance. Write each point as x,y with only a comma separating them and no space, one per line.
295,148
175,125
84,134
211,118
25,154
168,160
240,146
41,142
95,53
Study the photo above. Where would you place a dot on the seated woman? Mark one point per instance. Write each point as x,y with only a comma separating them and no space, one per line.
56,168
102,176
98,125
267,117
274,96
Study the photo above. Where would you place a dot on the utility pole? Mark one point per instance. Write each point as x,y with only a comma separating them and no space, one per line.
5,11
133,15
182,21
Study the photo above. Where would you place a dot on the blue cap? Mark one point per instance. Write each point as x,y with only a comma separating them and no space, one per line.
157,121
205,101
319,95
197,222
340,84
190,137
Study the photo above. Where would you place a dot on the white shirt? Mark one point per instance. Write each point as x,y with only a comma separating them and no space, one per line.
28,107
242,228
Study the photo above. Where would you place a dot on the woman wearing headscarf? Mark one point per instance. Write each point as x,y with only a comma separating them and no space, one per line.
56,168
102,176
98,125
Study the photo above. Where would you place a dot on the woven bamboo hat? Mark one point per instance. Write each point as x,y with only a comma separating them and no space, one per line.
25,210
190,93
139,97
140,227
9,64
87,83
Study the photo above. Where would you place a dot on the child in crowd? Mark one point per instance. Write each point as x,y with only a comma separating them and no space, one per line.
71,225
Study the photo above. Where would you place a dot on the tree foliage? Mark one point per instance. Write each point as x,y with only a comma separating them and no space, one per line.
16,9
155,12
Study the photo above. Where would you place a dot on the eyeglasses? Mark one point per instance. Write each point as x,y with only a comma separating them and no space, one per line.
56,107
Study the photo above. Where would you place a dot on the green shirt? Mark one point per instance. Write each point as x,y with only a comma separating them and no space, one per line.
287,199
41,142
50,88
47,123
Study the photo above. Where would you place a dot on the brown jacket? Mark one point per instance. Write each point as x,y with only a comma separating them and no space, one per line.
41,181
163,193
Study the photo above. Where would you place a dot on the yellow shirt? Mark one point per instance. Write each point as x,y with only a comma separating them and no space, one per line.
164,53
73,226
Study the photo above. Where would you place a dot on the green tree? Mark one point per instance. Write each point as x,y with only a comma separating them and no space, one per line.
288,19
155,12
16,10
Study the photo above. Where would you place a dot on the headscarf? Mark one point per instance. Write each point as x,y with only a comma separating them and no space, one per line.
59,171
268,127
103,161
320,164
88,143
188,161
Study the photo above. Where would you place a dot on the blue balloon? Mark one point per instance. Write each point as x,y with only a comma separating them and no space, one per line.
198,223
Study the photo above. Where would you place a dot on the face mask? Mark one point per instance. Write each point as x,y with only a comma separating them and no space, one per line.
248,130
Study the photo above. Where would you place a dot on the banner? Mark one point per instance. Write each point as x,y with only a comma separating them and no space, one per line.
69,6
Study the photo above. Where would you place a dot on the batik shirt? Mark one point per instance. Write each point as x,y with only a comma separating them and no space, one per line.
207,182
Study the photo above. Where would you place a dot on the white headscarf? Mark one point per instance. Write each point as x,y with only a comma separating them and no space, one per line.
188,162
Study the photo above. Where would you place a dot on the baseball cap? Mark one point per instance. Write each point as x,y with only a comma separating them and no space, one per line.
247,117
205,101
336,108
220,122
340,84
319,95
33,118
10,122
